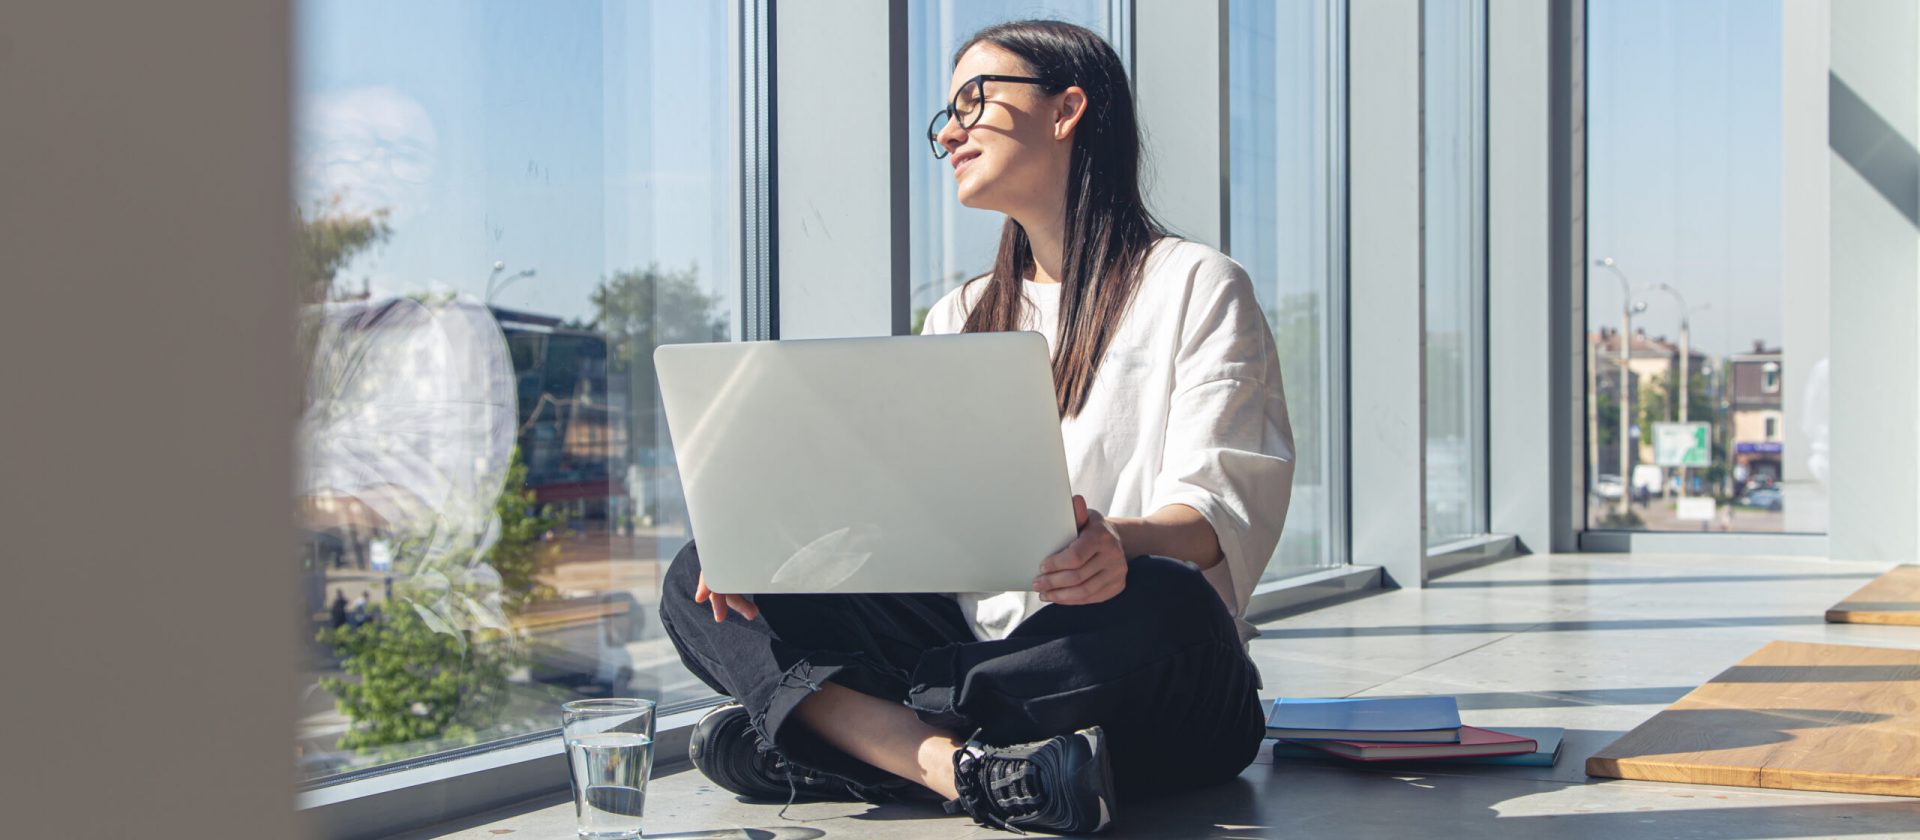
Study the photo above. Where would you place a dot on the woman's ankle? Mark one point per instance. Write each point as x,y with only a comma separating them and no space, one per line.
936,766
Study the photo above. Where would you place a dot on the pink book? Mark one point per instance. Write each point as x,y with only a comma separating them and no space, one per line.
1474,741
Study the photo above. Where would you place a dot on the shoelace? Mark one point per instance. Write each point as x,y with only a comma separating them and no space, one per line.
995,789
781,767
1014,784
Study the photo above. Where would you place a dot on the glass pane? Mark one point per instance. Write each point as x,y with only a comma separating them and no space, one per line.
503,208
1456,279
1285,90
1684,230
950,242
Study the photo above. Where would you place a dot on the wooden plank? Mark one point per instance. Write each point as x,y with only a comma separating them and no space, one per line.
1793,715
1892,598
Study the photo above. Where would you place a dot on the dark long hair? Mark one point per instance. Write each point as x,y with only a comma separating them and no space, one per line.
1108,227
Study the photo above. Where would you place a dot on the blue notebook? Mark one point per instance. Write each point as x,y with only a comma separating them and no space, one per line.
1423,720
1546,754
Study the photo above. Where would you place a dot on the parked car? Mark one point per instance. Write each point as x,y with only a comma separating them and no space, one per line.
1767,498
1608,487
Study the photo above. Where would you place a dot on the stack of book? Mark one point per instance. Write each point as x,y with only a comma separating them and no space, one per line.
1400,729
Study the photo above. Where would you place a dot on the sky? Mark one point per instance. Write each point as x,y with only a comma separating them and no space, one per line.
583,137
575,139
1683,166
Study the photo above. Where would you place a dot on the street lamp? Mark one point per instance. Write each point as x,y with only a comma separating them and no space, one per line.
499,266
1686,359
1628,306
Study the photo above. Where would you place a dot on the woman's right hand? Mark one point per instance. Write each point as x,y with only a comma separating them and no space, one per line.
722,603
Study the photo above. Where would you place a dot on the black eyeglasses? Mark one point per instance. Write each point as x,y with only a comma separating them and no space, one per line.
967,105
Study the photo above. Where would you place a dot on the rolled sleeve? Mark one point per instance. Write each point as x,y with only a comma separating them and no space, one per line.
1229,444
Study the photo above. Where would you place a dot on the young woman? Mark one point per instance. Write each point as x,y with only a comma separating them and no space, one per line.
1124,671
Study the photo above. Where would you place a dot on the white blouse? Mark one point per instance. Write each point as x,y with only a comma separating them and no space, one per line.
1186,408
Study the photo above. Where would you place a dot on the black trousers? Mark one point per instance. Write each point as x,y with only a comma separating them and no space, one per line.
1160,667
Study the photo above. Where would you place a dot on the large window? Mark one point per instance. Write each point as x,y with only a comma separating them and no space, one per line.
1285,89
1454,248
502,209
952,243
1695,334
1286,162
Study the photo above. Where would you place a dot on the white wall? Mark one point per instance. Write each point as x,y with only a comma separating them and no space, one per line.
1805,253
1875,297
1183,114
842,133
1520,375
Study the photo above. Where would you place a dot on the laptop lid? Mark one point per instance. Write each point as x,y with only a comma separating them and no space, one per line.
897,464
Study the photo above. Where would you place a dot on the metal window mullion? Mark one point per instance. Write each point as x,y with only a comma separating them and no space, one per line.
1180,70
1386,288
759,241
1334,337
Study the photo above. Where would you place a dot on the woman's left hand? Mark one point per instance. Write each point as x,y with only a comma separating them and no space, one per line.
1091,569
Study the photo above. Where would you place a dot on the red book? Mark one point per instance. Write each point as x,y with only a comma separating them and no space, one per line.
1473,742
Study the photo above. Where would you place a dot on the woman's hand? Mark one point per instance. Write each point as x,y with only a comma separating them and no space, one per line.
722,603
1091,569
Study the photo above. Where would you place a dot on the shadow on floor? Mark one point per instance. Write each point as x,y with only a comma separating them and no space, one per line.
1818,674
745,834
1712,730
1540,627
1637,581
1344,802
1652,696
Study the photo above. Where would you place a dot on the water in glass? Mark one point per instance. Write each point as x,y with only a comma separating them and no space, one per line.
610,782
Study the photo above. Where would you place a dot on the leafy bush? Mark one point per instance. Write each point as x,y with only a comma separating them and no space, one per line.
414,675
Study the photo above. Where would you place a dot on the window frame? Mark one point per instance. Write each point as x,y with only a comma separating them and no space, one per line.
422,791
433,789
1307,587
1479,325
1569,181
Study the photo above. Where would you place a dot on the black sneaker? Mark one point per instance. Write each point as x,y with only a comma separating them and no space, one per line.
1063,784
725,746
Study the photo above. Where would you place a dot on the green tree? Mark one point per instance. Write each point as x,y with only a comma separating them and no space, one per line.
637,311
410,683
413,678
1606,407
522,554
1656,402
641,310
327,238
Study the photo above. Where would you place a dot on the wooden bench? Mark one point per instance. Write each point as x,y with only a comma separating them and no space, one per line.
1892,598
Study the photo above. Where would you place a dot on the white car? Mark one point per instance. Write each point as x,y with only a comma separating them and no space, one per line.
1608,487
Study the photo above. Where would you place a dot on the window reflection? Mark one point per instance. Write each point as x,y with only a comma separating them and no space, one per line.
1285,96
1454,231
504,208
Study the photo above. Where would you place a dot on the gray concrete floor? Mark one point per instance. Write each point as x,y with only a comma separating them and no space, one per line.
1594,643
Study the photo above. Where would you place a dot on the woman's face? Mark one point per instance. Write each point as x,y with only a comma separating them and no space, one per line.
1015,159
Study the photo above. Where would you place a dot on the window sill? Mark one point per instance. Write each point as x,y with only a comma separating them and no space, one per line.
1311,590
1714,542
410,797
1472,552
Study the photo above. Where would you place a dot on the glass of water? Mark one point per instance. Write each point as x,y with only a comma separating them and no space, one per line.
609,756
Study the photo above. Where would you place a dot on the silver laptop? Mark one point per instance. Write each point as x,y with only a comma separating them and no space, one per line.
905,464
